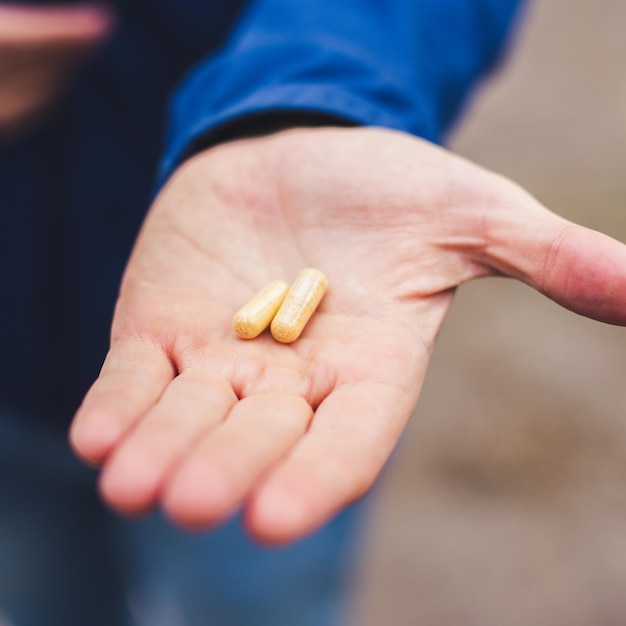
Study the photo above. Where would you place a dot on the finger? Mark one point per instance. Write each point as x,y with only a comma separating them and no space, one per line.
221,470
585,272
580,269
133,377
82,23
193,403
352,434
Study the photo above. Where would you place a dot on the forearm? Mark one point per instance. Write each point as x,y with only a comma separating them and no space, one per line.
403,64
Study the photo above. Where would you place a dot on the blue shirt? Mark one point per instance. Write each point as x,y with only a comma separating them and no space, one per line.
73,194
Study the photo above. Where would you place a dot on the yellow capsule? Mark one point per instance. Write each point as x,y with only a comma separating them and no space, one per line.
255,316
299,305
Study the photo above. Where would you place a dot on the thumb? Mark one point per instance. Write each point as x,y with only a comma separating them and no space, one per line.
580,269
30,25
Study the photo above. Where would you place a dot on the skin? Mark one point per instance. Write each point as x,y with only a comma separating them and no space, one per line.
41,48
188,417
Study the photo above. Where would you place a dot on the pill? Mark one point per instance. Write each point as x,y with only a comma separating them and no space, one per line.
299,305
255,316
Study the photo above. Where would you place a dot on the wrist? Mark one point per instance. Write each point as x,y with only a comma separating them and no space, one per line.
266,123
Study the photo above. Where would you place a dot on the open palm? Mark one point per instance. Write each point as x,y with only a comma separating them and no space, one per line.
187,415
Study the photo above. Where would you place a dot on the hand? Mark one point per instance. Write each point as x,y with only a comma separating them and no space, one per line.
40,48
188,416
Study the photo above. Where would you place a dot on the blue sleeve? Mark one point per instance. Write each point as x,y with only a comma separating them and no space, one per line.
402,64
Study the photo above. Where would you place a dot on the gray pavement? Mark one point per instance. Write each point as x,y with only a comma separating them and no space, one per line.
506,503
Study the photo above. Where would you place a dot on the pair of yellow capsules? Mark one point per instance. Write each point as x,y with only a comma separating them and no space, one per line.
285,309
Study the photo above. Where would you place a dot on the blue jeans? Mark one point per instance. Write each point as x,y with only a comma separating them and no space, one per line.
65,560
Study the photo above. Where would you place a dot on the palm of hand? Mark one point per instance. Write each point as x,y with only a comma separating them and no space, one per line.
188,415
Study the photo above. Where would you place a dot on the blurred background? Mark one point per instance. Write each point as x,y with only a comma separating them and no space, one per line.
506,503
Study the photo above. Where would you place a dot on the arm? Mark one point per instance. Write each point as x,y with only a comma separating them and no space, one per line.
403,64
187,416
